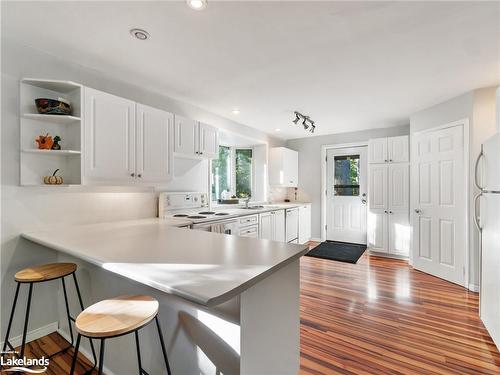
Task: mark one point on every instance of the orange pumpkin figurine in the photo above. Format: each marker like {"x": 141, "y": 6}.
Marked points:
{"x": 45, "y": 142}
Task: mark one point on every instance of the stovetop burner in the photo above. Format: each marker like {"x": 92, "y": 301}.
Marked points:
{"x": 196, "y": 217}
{"x": 221, "y": 214}
{"x": 206, "y": 212}
{"x": 180, "y": 215}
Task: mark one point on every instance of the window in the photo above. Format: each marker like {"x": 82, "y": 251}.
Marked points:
{"x": 346, "y": 175}
{"x": 232, "y": 172}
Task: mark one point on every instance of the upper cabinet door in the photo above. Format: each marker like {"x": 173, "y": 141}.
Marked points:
{"x": 377, "y": 150}
{"x": 185, "y": 136}
{"x": 283, "y": 167}
{"x": 398, "y": 149}
{"x": 109, "y": 137}
{"x": 377, "y": 191}
{"x": 154, "y": 132}
{"x": 209, "y": 141}
{"x": 291, "y": 167}
{"x": 399, "y": 191}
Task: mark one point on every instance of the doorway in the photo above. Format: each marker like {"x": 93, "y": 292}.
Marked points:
{"x": 439, "y": 180}
{"x": 346, "y": 181}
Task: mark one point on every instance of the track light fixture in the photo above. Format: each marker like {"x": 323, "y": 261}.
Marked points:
{"x": 307, "y": 123}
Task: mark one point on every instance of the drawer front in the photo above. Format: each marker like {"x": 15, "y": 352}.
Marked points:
{"x": 249, "y": 220}
{"x": 251, "y": 231}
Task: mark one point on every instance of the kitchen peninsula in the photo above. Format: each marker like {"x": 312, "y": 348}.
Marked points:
{"x": 225, "y": 301}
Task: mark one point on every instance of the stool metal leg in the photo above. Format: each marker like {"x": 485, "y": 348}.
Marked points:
{"x": 82, "y": 308}
{"x": 25, "y": 331}
{"x": 75, "y": 356}
{"x": 162, "y": 342}
{"x": 101, "y": 357}
{"x": 6, "y": 342}
{"x": 67, "y": 310}
{"x": 138, "y": 347}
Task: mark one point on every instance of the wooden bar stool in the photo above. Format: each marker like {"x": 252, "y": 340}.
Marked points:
{"x": 40, "y": 274}
{"x": 116, "y": 317}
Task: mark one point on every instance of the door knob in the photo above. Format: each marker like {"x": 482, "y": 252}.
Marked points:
{"x": 418, "y": 211}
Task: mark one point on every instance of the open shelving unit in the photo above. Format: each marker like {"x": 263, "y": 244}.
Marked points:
{"x": 36, "y": 163}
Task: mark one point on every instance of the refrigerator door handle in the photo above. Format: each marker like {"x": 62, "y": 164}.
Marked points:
{"x": 479, "y": 157}
{"x": 476, "y": 219}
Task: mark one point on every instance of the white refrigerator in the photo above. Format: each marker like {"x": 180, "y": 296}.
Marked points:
{"x": 487, "y": 179}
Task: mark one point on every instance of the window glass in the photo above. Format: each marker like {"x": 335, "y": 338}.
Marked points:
{"x": 243, "y": 173}
{"x": 221, "y": 173}
{"x": 346, "y": 175}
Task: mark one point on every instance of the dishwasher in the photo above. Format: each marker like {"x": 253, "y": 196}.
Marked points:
{"x": 292, "y": 225}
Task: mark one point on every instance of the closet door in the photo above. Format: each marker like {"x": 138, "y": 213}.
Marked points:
{"x": 377, "y": 190}
{"x": 154, "y": 131}
{"x": 399, "y": 190}
{"x": 377, "y": 231}
{"x": 399, "y": 233}
{"x": 109, "y": 137}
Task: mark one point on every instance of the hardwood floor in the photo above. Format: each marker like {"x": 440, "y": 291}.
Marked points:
{"x": 378, "y": 316}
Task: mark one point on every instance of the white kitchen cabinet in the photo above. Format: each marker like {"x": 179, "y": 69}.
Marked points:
{"x": 304, "y": 223}
{"x": 377, "y": 150}
{"x": 388, "y": 150}
{"x": 109, "y": 137}
{"x": 272, "y": 225}
{"x": 398, "y": 149}
{"x": 125, "y": 142}
{"x": 292, "y": 225}
{"x": 388, "y": 196}
{"x": 154, "y": 134}
{"x": 378, "y": 231}
{"x": 399, "y": 233}
{"x": 283, "y": 167}
{"x": 194, "y": 139}
{"x": 399, "y": 182}
{"x": 377, "y": 187}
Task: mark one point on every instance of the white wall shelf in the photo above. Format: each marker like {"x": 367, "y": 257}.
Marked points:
{"x": 63, "y": 87}
{"x": 51, "y": 152}
{"x": 55, "y": 119}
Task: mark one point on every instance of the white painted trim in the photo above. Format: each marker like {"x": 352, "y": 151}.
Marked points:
{"x": 324, "y": 150}
{"x": 34, "y": 334}
{"x": 315, "y": 239}
{"x": 474, "y": 288}
{"x": 466, "y": 135}
{"x": 387, "y": 255}
{"x": 84, "y": 351}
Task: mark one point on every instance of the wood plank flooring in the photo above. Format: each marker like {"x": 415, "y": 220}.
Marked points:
{"x": 378, "y": 316}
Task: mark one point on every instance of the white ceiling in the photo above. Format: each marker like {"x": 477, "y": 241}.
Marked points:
{"x": 349, "y": 65}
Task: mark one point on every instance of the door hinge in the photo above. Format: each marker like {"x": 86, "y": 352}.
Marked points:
{"x": 326, "y": 192}
{"x": 326, "y": 227}
{"x": 326, "y": 158}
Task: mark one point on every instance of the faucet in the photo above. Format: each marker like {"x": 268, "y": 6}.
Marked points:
{"x": 247, "y": 201}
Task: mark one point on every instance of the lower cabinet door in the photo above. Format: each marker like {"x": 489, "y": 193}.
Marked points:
{"x": 377, "y": 228}
{"x": 279, "y": 225}
{"x": 399, "y": 233}
{"x": 266, "y": 226}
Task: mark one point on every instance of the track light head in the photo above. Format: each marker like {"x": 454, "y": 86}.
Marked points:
{"x": 307, "y": 123}
{"x": 297, "y": 118}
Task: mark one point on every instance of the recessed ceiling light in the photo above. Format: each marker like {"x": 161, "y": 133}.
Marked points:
{"x": 139, "y": 34}
{"x": 277, "y": 130}
{"x": 236, "y": 111}
{"x": 197, "y": 4}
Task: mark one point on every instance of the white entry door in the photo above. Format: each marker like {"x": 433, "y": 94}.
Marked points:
{"x": 438, "y": 203}
{"x": 346, "y": 195}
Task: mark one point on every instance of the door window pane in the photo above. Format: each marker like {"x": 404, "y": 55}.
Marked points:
{"x": 221, "y": 173}
{"x": 346, "y": 180}
{"x": 243, "y": 173}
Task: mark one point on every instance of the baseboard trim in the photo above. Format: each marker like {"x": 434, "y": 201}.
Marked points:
{"x": 474, "y": 288}
{"x": 385, "y": 255}
{"x": 34, "y": 334}
{"x": 315, "y": 239}
{"x": 84, "y": 351}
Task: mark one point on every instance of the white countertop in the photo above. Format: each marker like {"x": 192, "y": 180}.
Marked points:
{"x": 203, "y": 267}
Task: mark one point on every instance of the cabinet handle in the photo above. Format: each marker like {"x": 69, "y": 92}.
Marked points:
{"x": 201, "y": 153}
{"x": 139, "y": 175}
{"x": 390, "y": 160}
{"x": 385, "y": 211}
{"x": 132, "y": 175}
{"x": 390, "y": 212}
{"x": 385, "y": 161}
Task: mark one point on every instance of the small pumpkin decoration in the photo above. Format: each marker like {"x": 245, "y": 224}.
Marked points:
{"x": 53, "y": 180}
{"x": 45, "y": 142}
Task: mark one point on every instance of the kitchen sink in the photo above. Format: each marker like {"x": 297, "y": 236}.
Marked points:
{"x": 253, "y": 208}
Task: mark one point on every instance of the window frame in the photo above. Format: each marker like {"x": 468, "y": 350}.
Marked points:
{"x": 232, "y": 177}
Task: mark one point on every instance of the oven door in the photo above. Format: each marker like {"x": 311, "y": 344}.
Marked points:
{"x": 221, "y": 226}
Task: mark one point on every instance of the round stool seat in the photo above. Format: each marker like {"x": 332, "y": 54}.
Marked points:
{"x": 45, "y": 272}
{"x": 116, "y": 316}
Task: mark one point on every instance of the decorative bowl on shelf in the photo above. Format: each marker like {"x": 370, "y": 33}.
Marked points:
{"x": 52, "y": 106}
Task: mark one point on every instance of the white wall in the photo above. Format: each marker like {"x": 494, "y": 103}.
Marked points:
{"x": 24, "y": 209}
{"x": 478, "y": 107}
{"x": 310, "y": 164}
